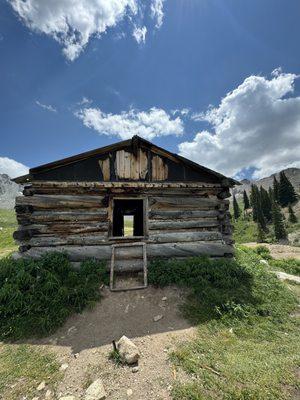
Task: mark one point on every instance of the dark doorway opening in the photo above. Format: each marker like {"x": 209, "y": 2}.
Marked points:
{"x": 128, "y": 217}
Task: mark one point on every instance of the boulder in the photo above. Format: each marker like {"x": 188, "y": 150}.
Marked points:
{"x": 41, "y": 386}
{"x": 95, "y": 391}
{"x": 129, "y": 353}
{"x": 67, "y": 398}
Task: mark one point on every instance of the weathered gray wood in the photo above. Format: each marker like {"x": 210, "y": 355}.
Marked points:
{"x": 63, "y": 228}
{"x": 166, "y": 250}
{"x": 183, "y": 236}
{"x": 126, "y": 184}
{"x": 167, "y": 214}
{"x": 60, "y": 201}
{"x": 76, "y": 240}
{"x": 182, "y": 223}
{"x": 73, "y": 216}
{"x": 183, "y": 202}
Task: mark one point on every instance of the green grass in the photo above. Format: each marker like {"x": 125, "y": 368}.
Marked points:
{"x": 290, "y": 266}
{"x": 8, "y": 224}
{"x": 247, "y": 346}
{"x": 36, "y": 296}
{"x": 245, "y": 230}
{"x": 23, "y": 368}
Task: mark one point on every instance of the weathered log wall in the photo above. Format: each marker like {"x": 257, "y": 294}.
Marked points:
{"x": 183, "y": 219}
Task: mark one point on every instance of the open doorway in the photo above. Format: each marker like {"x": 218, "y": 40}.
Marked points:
{"x": 128, "y": 218}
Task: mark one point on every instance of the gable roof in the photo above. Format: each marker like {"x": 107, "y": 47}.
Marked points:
{"x": 134, "y": 142}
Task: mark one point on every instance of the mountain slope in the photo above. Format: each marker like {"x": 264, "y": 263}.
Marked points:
{"x": 293, "y": 174}
{"x": 8, "y": 192}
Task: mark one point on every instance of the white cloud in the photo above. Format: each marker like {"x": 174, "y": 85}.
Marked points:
{"x": 85, "y": 101}
{"x": 157, "y": 12}
{"x": 139, "y": 33}
{"x": 256, "y": 125}
{"x": 73, "y": 22}
{"x": 12, "y": 168}
{"x": 148, "y": 124}
{"x": 46, "y": 106}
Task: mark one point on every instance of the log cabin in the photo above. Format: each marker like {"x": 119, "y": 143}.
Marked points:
{"x": 131, "y": 197}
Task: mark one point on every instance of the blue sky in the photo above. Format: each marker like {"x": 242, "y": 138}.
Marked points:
{"x": 173, "y": 86}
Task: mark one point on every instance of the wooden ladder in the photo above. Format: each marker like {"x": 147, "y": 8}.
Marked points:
{"x": 112, "y": 266}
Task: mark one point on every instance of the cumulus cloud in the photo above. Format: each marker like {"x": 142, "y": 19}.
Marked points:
{"x": 148, "y": 124}
{"x": 157, "y": 12}
{"x": 257, "y": 125}
{"x": 139, "y": 33}
{"x": 73, "y": 22}
{"x": 12, "y": 168}
{"x": 47, "y": 107}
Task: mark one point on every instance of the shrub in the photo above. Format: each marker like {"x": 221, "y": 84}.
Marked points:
{"x": 290, "y": 266}
{"x": 224, "y": 288}
{"x": 36, "y": 296}
{"x": 263, "y": 251}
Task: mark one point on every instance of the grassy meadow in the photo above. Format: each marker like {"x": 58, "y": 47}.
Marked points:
{"x": 8, "y": 225}
{"x": 247, "y": 344}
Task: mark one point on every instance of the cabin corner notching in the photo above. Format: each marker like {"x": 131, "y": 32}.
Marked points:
{"x": 128, "y": 192}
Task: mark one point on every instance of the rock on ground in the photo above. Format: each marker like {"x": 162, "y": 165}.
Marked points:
{"x": 129, "y": 353}
{"x": 95, "y": 391}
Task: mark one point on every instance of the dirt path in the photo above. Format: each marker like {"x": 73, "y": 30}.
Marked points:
{"x": 279, "y": 251}
{"x": 84, "y": 343}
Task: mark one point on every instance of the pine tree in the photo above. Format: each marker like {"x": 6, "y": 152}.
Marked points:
{"x": 292, "y": 217}
{"x": 275, "y": 189}
{"x": 246, "y": 201}
{"x": 279, "y": 228}
{"x": 236, "y": 209}
{"x": 254, "y": 201}
{"x": 257, "y": 211}
{"x": 266, "y": 204}
{"x": 287, "y": 194}
{"x": 271, "y": 193}
{"x": 261, "y": 237}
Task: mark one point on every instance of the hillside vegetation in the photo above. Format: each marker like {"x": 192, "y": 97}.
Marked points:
{"x": 8, "y": 225}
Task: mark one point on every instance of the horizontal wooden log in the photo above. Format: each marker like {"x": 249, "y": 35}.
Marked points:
{"x": 127, "y": 184}
{"x": 184, "y": 236}
{"x": 192, "y": 202}
{"x": 165, "y": 250}
{"x": 55, "y": 216}
{"x": 59, "y": 201}
{"x": 60, "y": 228}
{"x": 182, "y": 214}
{"x": 182, "y": 223}
{"x": 76, "y": 240}
{"x": 134, "y": 191}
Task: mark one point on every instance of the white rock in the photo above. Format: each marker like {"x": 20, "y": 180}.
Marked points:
{"x": 48, "y": 394}
{"x": 157, "y": 318}
{"x": 95, "y": 391}
{"x": 128, "y": 351}
{"x": 135, "y": 369}
{"x": 264, "y": 262}
{"x": 67, "y": 398}
{"x": 63, "y": 367}
{"x": 41, "y": 386}
{"x": 129, "y": 392}
{"x": 164, "y": 299}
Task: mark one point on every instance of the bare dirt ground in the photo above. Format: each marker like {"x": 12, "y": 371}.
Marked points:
{"x": 279, "y": 251}
{"x": 84, "y": 343}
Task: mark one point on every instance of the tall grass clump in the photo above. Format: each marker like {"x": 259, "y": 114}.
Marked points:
{"x": 225, "y": 288}
{"x": 247, "y": 344}
{"x": 36, "y": 296}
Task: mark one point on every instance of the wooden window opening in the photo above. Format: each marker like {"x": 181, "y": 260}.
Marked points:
{"x": 128, "y": 218}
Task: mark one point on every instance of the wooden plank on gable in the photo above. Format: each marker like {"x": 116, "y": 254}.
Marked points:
{"x": 159, "y": 169}
{"x": 105, "y": 168}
